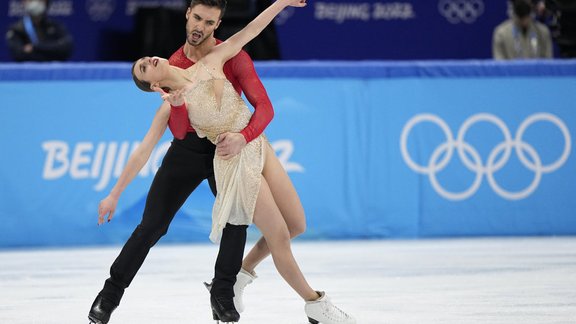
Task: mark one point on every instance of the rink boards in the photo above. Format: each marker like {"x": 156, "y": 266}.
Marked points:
{"x": 375, "y": 149}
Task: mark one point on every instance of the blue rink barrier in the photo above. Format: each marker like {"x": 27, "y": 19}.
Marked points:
{"x": 375, "y": 150}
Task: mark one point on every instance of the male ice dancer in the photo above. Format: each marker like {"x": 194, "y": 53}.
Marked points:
{"x": 186, "y": 164}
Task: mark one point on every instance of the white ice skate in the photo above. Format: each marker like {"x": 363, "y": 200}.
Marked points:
{"x": 323, "y": 311}
{"x": 243, "y": 279}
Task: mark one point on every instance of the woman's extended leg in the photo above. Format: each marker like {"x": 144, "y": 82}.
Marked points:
{"x": 268, "y": 219}
{"x": 288, "y": 202}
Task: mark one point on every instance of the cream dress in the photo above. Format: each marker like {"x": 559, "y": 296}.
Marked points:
{"x": 237, "y": 179}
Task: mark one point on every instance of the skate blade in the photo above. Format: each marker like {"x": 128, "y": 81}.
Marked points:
{"x": 93, "y": 321}
{"x": 312, "y": 321}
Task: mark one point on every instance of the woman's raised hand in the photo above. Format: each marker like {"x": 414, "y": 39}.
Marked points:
{"x": 175, "y": 98}
{"x": 295, "y": 3}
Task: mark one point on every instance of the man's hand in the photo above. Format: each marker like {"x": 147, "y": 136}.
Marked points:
{"x": 106, "y": 207}
{"x": 229, "y": 144}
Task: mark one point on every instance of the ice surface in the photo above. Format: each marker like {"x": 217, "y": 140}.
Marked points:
{"x": 459, "y": 281}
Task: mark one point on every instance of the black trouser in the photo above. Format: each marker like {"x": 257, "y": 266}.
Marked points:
{"x": 186, "y": 164}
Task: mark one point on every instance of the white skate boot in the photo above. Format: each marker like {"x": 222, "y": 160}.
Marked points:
{"x": 323, "y": 311}
{"x": 243, "y": 279}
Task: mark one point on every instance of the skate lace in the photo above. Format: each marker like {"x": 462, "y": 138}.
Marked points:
{"x": 332, "y": 312}
{"x": 240, "y": 292}
{"x": 243, "y": 285}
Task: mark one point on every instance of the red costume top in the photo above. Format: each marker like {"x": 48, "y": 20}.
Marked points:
{"x": 240, "y": 71}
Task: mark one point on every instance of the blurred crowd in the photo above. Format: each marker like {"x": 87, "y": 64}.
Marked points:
{"x": 36, "y": 37}
{"x": 536, "y": 29}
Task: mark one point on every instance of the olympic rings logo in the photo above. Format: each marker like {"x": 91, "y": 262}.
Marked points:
{"x": 457, "y": 11}
{"x": 497, "y": 158}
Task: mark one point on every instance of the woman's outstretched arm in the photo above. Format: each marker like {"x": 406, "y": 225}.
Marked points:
{"x": 234, "y": 44}
{"x": 137, "y": 159}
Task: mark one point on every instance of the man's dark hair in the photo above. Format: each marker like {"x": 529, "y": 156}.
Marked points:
{"x": 220, "y": 4}
{"x": 522, "y": 8}
{"x": 142, "y": 85}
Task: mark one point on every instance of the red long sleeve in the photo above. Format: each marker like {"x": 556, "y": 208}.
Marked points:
{"x": 243, "y": 69}
{"x": 179, "y": 121}
{"x": 240, "y": 71}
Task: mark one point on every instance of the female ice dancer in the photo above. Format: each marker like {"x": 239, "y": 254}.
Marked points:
{"x": 244, "y": 180}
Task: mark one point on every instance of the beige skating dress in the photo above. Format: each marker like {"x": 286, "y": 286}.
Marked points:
{"x": 237, "y": 179}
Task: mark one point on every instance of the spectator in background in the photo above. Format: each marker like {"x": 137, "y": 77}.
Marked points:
{"x": 563, "y": 16}
{"x": 35, "y": 37}
{"x": 540, "y": 10}
{"x": 521, "y": 36}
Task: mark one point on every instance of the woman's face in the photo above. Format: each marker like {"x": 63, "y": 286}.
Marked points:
{"x": 151, "y": 69}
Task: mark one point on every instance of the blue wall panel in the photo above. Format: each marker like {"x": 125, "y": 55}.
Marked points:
{"x": 375, "y": 150}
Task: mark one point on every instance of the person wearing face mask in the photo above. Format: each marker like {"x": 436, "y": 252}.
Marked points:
{"x": 35, "y": 37}
{"x": 521, "y": 36}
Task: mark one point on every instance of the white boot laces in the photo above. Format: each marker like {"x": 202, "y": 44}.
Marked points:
{"x": 334, "y": 313}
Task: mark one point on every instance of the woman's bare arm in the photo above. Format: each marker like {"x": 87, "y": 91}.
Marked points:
{"x": 232, "y": 46}
{"x": 137, "y": 159}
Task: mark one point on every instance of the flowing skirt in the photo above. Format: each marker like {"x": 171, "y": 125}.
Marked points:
{"x": 238, "y": 184}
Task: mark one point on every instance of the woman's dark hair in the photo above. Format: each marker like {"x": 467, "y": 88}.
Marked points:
{"x": 142, "y": 85}
{"x": 220, "y": 4}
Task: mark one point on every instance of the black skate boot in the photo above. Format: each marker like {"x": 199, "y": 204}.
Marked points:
{"x": 223, "y": 309}
{"x": 101, "y": 310}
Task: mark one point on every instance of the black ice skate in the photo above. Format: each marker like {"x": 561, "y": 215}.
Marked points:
{"x": 223, "y": 309}
{"x": 101, "y": 310}
{"x": 243, "y": 279}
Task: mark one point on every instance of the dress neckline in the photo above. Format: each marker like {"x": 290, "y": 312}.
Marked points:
{"x": 208, "y": 71}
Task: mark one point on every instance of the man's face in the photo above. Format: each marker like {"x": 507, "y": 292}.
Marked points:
{"x": 201, "y": 21}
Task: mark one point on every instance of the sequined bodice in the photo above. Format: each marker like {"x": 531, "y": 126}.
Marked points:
{"x": 211, "y": 117}
{"x": 238, "y": 178}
